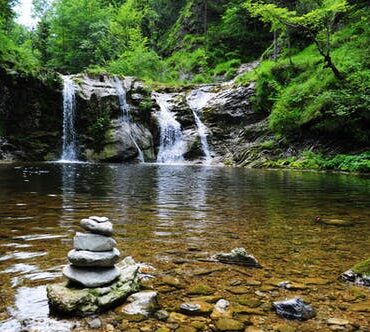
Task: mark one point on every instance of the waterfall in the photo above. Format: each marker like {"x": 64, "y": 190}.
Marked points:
{"x": 125, "y": 109}
{"x": 197, "y": 99}
{"x": 172, "y": 145}
{"x": 69, "y": 135}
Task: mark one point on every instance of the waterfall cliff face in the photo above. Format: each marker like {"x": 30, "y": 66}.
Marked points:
{"x": 197, "y": 100}
{"x": 126, "y": 117}
{"x": 172, "y": 145}
{"x": 69, "y": 152}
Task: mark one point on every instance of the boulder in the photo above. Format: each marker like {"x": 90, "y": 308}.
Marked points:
{"x": 237, "y": 256}
{"x": 93, "y": 242}
{"x": 294, "y": 308}
{"x": 67, "y": 299}
{"x": 358, "y": 274}
{"x": 91, "y": 277}
{"x": 84, "y": 258}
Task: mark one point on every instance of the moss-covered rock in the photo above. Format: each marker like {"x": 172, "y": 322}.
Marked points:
{"x": 358, "y": 274}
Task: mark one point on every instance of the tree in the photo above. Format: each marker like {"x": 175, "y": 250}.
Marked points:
{"x": 318, "y": 23}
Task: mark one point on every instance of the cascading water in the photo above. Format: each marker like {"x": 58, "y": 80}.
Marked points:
{"x": 125, "y": 108}
{"x": 69, "y": 135}
{"x": 197, "y": 99}
{"x": 172, "y": 145}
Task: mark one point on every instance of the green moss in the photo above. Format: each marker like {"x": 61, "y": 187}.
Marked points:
{"x": 362, "y": 268}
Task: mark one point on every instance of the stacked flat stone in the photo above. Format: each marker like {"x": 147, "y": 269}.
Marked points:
{"x": 94, "y": 254}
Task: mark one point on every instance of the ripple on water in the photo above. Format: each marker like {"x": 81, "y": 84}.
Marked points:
{"x": 34, "y": 237}
{"x": 31, "y": 311}
{"x": 22, "y": 255}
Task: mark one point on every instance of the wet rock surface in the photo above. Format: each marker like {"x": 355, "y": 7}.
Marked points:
{"x": 294, "y": 309}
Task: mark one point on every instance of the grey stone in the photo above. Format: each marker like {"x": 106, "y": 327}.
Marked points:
{"x": 94, "y": 323}
{"x": 294, "y": 309}
{"x": 85, "y": 258}
{"x": 69, "y": 300}
{"x": 161, "y": 315}
{"x": 93, "y": 242}
{"x": 141, "y": 304}
{"x": 237, "y": 256}
{"x": 91, "y": 276}
{"x": 356, "y": 278}
{"x": 99, "y": 219}
{"x": 103, "y": 228}
{"x": 190, "y": 308}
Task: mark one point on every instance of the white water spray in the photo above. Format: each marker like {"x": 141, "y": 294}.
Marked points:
{"x": 197, "y": 100}
{"x": 125, "y": 108}
{"x": 172, "y": 145}
{"x": 69, "y": 153}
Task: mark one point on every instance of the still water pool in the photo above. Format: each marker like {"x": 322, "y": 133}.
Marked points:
{"x": 173, "y": 217}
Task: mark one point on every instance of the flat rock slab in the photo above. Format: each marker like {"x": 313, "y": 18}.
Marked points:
{"x": 103, "y": 228}
{"x": 93, "y": 242}
{"x": 84, "y": 258}
{"x": 92, "y": 277}
{"x": 86, "y": 301}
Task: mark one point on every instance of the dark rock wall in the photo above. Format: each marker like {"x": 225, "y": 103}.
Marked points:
{"x": 30, "y": 115}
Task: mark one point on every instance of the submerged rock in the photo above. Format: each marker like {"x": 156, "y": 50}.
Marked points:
{"x": 334, "y": 222}
{"x": 85, "y": 258}
{"x": 93, "y": 242}
{"x": 91, "y": 277}
{"x": 237, "y": 256}
{"x": 358, "y": 274}
{"x": 228, "y": 324}
{"x": 294, "y": 309}
{"x": 67, "y": 299}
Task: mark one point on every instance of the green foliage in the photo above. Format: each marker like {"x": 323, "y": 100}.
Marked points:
{"x": 300, "y": 94}
{"x": 308, "y": 160}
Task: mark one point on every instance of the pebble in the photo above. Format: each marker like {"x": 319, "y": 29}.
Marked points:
{"x": 94, "y": 323}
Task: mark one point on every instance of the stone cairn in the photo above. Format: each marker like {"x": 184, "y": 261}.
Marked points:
{"x": 94, "y": 254}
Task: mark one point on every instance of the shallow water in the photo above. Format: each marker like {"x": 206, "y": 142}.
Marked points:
{"x": 174, "y": 216}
